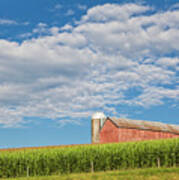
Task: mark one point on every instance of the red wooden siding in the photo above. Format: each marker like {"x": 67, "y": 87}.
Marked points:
{"x": 109, "y": 133}
{"x": 138, "y": 135}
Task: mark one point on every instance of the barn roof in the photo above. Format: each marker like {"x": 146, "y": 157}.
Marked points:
{"x": 145, "y": 125}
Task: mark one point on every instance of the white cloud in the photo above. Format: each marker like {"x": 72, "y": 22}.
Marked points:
{"x": 82, "y": 7}
{"x": 68, "y": 73}
{"x": 174, "y": 7}
{"x": 12, "y": 22}
{"x": 168, "y": 62}
{"x": 70, "y": 12}
{"x": 110, "y": 12}
{"x": 154, "y": 96}
{"x": 66, "y": 27}
{"x": 7, "y": 22}
{"x": 58, "y": 6}
{"x": 41, "y": 28}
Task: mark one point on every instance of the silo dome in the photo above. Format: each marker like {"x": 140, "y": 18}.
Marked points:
{"x": 98, "y": 115}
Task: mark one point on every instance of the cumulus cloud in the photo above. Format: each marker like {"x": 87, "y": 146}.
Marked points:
{"x": 41, "y": 29}
{"x": 67, "y": 75}
{"x": 66, "y": 27}
{"x": 112, "y": 12}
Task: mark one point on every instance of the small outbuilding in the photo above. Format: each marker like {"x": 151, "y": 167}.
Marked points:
{"x": 111, "y": 129}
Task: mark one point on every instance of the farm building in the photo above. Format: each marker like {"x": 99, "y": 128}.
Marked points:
{"x": 110, "y": 129}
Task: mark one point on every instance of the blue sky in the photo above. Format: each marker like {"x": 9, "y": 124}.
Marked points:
{"x": 61, "y": 61}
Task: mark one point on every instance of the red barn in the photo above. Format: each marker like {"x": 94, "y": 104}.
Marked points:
{"x": 105, "y": 130}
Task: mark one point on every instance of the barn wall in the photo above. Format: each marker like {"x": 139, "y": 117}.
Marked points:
{"x": 109, "y": 133}
{"x": 138, "y": 135}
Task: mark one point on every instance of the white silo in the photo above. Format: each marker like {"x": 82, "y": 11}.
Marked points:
{"x": 98, "y": 120}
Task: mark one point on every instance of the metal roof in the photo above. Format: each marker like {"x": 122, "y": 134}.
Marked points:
{"x": 145, "y": 125}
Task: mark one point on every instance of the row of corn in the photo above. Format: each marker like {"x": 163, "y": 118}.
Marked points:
{"x": 37, "y": 162}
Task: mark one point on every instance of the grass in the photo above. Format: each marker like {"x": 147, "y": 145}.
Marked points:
{"x": 133, "y": 174}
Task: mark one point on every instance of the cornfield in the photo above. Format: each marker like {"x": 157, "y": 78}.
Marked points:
{"x": 102, "y": 157}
